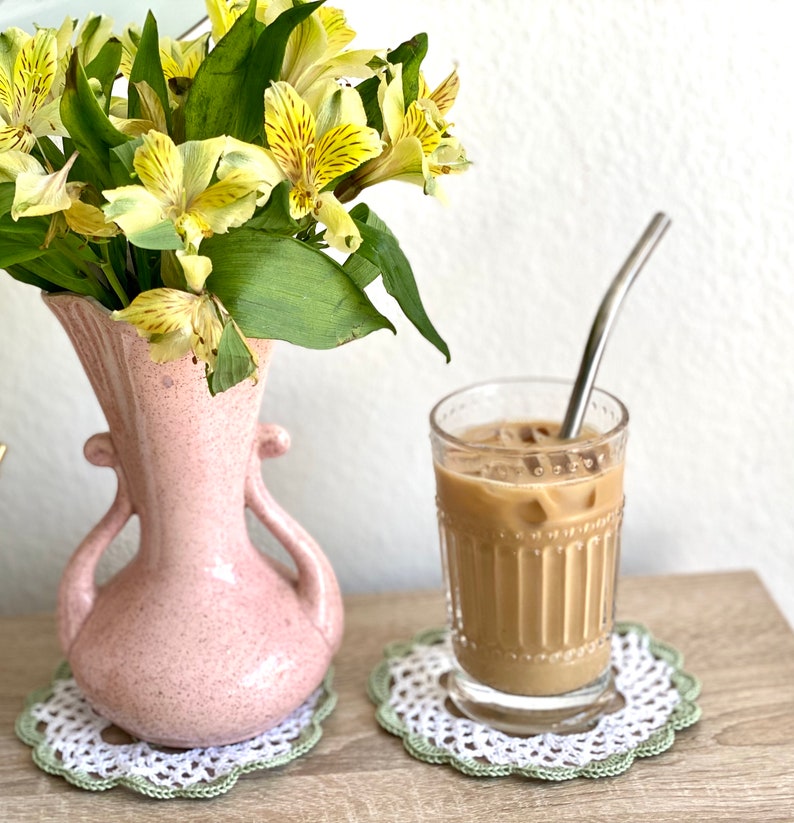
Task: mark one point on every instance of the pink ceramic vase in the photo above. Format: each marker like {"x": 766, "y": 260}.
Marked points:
{"x": 201, "y": 639}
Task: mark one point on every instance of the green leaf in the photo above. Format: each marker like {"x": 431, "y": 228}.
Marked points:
{"x": 237, "y": 71}
{"x": 411, "y": 53}
{"x": 265, "y": 67}
{"x": 234, "y": 363}
{"x": 7, "y": 191}
{"x": 278, "y": 287}
{"x": 360, "y": 270}
{"x": 274, "y": 217}
{"x": 146, "y": 265}
{"x": 17, "y": 249}
{"x": 117, "y": 253}
{"x": 61, "y": 274}
{"x": 122, "y": 162}
{"x": 171, "y": 272}
{"x": 147, "y": 68}
{"x": 24, "y": 275}
{"x": 52, "y": 154}
{"x": 213, "y": 103}
{"x": 105, "y": 66}
{"x": 381, "y": 250}
{"x": 21, "y": 240}
{"x": 82, "y": 170}
{"x": 92, "y": 134}
{"x": 23, "y": 256}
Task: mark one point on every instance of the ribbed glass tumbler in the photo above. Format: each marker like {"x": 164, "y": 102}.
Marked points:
{"x": 529, "y": 530}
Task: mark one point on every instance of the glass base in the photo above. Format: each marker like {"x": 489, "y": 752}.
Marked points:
{"x": 568, "y": 713}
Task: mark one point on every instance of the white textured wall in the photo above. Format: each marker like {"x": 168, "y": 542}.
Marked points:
{"x": 583, "y": 118}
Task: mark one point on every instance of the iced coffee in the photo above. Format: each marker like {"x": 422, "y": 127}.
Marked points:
{"x": 530, "y": 539}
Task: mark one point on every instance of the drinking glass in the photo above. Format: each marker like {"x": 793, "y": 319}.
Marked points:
{"x": 529, "y": 530}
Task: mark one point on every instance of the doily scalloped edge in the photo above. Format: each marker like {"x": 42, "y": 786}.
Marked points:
{"x": 686, "y": 713}
{"x": 47, "y": 760}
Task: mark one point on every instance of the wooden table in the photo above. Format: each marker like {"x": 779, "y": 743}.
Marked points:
{"x": 736, "y": 764}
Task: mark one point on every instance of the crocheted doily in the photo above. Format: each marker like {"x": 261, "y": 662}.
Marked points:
{"x": 71, "y": 740}
{"x": 659, "y": 699}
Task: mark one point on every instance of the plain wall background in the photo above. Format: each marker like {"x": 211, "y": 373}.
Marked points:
{"x": 583, "y": 118}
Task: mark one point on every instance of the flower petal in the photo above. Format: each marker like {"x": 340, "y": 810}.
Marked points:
{"x": 11, "y": 41}
{"x": 93, "y": 34}
{"x": 338, "y": 34}
{"x": 416, "y": 123}
{"x": 341, "y": 232}
{"x": 34, "y": 72}
{"x": 289, "y": 127}
{"x": 13, "y": 163}
{"x": 160, "y": 168}
{"x": 302, "y": 200}
{"x": 348, "y": 64}
{"x": 37, "y": 194}
{"x": 46, "y": 120}
{"x": 159, "y": 311}
{"x": 182, "y": 58}
{"x": 446, "y": 92}
{"x": 167, "y": 347}
{"x": 199, "y": 158}
{"x": 88, "y": 220}
{"x": 151, "y": 108}
{"x": 13, "y": 138}
{"x": 226, "y": 204}
{"x": 253, "y": 164}
{"x": 133, "y": 208}
{"x": 207, "y": 331}
{"x": 307, "y": 45}
{"x": 132, "y": 128}
{"x": 222, "y": 16}
{"x": 392, "y": 103}
{"x": 336, "y": 106}
{"x": 197, "y": 269}
{"x": 343, "y": 149}
{"x": 404, "y": 161}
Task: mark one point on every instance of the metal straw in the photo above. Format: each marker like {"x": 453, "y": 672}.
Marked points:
{"x": 604, "y": 319}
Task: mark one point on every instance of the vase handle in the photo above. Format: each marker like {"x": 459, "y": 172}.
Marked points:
{"x": 78, "y": 589}
{"x": 316, "y": 587}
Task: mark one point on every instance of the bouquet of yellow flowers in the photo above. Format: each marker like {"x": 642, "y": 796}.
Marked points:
{"x": 209, "y": 203}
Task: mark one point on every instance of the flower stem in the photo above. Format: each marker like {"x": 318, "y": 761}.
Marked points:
{"x": 110, "y": 273}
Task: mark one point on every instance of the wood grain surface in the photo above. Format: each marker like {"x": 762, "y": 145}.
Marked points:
{"x": 736, "y": 764}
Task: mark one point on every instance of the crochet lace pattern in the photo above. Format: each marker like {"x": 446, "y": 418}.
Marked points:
{"x": 71, "y": 740}
{"x": 659, "y": 699}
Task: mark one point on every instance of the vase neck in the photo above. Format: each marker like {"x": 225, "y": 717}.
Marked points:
{"x": 183, "y": 453}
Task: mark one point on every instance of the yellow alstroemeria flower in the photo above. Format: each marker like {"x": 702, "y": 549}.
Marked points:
{"x": 315, "y": 50}
{"x": 39, "y": 193}
{"x": 252, "y": 163}
{"x": 93, "y": 34}
{"x": 182, "y": 58}
{"x": 88, "y": 220}
{"x": 418, "y": 146}
{"x": 176, "y": 186}
{"x": 312, "y": 157}
{"x": 178, "y": 58}
{"x": 27, "y": 71}
{"x": 223, "y": 14}
{"x": 176, "y": 322}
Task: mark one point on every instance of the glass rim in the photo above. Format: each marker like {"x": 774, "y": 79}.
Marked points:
{"x": 440, "y": 432}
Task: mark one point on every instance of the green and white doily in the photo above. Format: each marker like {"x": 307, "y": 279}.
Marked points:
{"x": 659, "y": 699}
{"x": 71, "y": 740}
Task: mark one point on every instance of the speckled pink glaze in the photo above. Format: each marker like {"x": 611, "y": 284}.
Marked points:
{"x": 201, "y": 639}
